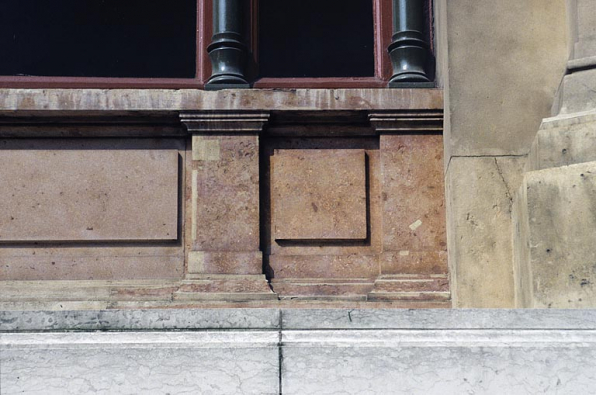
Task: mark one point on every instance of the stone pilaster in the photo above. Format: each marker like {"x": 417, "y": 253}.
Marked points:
{"x": 553, "y": 239}
{"x": 577, "y": 91}
{"x": 225, "y": 261}
{"x": 414, "y": 257}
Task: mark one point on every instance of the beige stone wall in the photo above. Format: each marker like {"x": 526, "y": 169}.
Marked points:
{"x": 502, "y": 65}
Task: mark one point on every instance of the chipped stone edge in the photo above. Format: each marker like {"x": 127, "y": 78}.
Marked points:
{"x": 296, "y": 319}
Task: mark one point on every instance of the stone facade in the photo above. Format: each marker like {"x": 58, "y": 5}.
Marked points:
{"x": 335, "y": 198}
{"x": 327, "y": 197}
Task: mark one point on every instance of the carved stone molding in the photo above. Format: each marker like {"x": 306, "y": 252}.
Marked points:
{"x": 225, "y": 121}
{"x": 406, "y": 121}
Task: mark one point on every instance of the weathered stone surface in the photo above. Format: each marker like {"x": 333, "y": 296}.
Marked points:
{"x": 370, "y": 246}
{"x": 225, "y": 196}
{"x": 564, "y": 140}
{"x": 409, "y": 262}
{"x": 528, "y": 319}
{"x": 87, "y": 191}
{"x": 205, "y": 362}
{"x": 413, "y": 193}
{"x": 577, "y": 92}
{"x": 225, "y": 288}
{"x": 168, "y": 100}
{"x": 281, "y": 318}
{"x": 555, "y": 237}
{"x": 324, "y": 266}
{"x": 128, "y": 320}
{"x": 91, "y": 263}
{"x": 322, "y": 289}
{"x": 210, "y": 262}
{"x": 416, "y": 351}
{"x": 480, "y": 193}
{"x": 319, "y": 194}
{"x": 437, "y": 362}
{"x": 583, "y": 18}
{"x": 506, "y": 60}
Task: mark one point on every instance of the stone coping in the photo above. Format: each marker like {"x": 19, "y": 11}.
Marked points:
{"x": 296, "y": 319}
{"x": 63, "y": 101}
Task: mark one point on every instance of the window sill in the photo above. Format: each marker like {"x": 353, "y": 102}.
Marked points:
{"x": 47, "y": 101}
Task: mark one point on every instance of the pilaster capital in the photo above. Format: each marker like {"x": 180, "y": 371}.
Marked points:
{"x": 225, "y": 121}
{"x": 406, "y": 121}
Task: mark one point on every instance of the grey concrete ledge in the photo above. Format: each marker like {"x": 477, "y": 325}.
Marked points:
{"x": 103, "y": 340}
{"x": 146, "y": 320}
{"x": 299, "y": 351}
{"x": 439, "y": 338}
{"x": 567, "y": 120}
{"x": 582, "y": 63}
{"x": 439, "y": 319}
{"x": 295, "y": 319}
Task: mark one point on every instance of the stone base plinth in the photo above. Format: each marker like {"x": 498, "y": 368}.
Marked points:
{"x": 554, "y": 237}
{"x": 298, "y": 351}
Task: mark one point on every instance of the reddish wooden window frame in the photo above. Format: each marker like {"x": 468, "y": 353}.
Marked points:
{"x": 382, "y": 13}
{"x": 203, "y": 9}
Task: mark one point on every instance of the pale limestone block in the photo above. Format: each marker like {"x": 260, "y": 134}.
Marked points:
{"x": 506, "y": 60}
{"x": 88, "y": 193}
{"x": 584, "y": 21}
{"x": 480, "y": 194}
{"x": 564, "y": 140}
{"x": 555, "y": 254}
{"x": 319, "y": 194}
{"x": 578, "y": 92}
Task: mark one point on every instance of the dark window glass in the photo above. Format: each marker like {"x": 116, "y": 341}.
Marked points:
{"x": 98, "y": 38}
{"x": 316, "y": 38}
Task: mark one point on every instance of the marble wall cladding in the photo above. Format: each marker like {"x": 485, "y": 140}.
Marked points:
{"x": 438, "y": 362}
{"x": 91, "y": 209}
{"x": 87, "y": 191}
{"x": 299, "y": 351}
{"x": 225, "y": 181}
{"x": 319, "y": 194}
{"x": 148, "y": 363}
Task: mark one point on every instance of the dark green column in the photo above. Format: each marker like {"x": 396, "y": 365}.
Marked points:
{"x": 228, "y": 52}
{"x": 409, "y": 50}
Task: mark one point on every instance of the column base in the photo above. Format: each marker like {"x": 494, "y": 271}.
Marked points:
{"x": 224, "y": 288}
{"x": 411, "y": 287}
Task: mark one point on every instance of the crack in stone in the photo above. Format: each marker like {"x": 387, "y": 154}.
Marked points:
{"x": 507, "y": 189}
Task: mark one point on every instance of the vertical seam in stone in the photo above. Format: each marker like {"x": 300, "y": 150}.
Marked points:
{"x": 194, "y": 199}
{"x": 280, "y": 352}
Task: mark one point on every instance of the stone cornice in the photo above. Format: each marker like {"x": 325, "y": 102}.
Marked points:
{"x": 406, "y": 121}
{"x": 225, "y": 121}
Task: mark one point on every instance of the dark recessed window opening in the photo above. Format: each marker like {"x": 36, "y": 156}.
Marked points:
{"x": 316, "y": 38}
{"x": 98, "y": 38}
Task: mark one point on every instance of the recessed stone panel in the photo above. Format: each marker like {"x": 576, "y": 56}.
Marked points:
{"x": 90, "y": 194}
{"x": 319, "y": 194}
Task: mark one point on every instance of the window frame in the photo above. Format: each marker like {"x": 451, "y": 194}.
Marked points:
{"x": 383, "y": 29}
{"x": 50, "y": 82}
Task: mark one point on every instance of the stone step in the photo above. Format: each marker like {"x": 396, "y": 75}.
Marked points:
{"x": 409, "y": 296}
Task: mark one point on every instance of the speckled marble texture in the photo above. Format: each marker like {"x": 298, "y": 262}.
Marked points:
{"x": 439, "y": 362}
{"x": 140, "y": 363}
{"x": 299, "y": 351}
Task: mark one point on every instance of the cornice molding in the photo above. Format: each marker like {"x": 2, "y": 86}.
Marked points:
{"x": 406, "y": 121}
{"x": 224, "y": 121}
